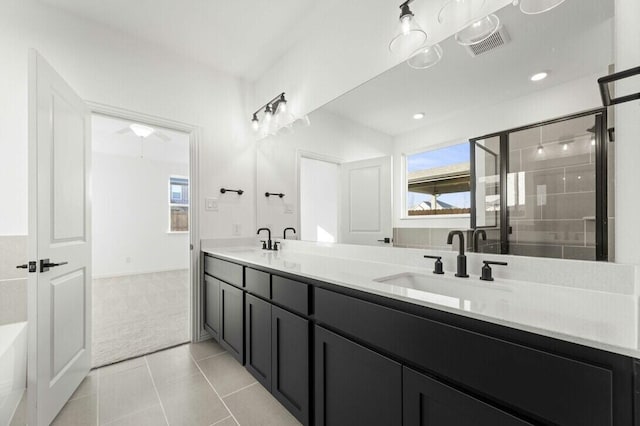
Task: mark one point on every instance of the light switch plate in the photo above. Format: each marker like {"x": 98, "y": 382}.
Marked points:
{"x": 211, "y": 204}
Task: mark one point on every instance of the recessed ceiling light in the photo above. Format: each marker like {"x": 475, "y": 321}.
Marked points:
{"x": 539, "y": 76}
{"x": 418, "y": 116}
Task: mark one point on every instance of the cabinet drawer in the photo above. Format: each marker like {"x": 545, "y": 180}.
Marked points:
{"x": 291, "y": 294}
{"x": 257, "y": 282}
{"x": 427, "y": 402}
{"x": 544, "y": 385}
{"x": 226, "y": 271}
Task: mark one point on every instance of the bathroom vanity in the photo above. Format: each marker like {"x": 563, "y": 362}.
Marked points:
{"x": 340, "y": 340}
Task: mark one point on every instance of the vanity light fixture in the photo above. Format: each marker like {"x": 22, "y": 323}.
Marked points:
{"x": 539, "y": 76}
{"x": 418, "y": 116}
{"x": 425, "y": 57}
{"x": 478, "y": 30}
{"x": 409, "y": 36}
{"x": 275, "y": 114}
{"x": 534, "y": 7}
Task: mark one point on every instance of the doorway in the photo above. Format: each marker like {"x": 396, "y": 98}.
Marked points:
{"x": 141, "y": 238}
{"x": 319, "y": 196}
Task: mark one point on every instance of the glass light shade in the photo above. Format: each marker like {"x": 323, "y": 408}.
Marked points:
{"x": 408, "y": 38}
{"x": 478, "y": 31}
{"x": 533, "y": 7}
{"x": 255, "y": 125}
{"x": 458, "y": 13}
{"x": 141, "y": 131}
{"x": 425, "y": 57}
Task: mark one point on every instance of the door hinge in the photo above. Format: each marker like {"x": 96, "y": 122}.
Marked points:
{"x": 31, "y": 266}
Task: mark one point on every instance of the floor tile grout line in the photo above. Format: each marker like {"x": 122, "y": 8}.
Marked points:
{"x": 214, "y": 390}
{"x": 146, "y": 362}
{"x": 239, "y": 390}
{"x": 220, "y": 421}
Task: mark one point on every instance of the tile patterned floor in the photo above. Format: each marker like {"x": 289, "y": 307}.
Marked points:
{"x": 191, "y": 385}
{"x": 138, "y": 314}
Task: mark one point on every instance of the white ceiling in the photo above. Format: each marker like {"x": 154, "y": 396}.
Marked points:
{"x": 106, "y": 138}
{"x": 572, "y": 41}
{"x": 243, "y": 38}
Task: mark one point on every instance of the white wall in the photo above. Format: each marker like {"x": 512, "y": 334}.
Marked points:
{"x": 556, "y": 101}
{"x": 131, "y": 216}
{"x": 108, "y": 67}
{"x": 627, "y": 122}
{"x": 329, "y": 135}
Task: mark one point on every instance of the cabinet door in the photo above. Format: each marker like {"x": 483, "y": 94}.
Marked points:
{"x": 354, "y": 385}
{"x": 258, "y": 339}
{"x": 231, "y": 320}
{"x": 212, "y": 306}
{"x": 290, "y": 362}
{"x": 427, "y": 402}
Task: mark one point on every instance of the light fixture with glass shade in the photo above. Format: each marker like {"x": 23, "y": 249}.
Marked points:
{"x": 141, "y": 131}
{"x": 425, "y": 57}
{"x": 276, "y": 115}
{"x": 409, "y": 36}
{"x": 534, "y": 7}
{"x": 478, "y": 31}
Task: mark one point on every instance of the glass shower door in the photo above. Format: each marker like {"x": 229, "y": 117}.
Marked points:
{"x": 552, "y": 189}
{"x": 486, "y": 206}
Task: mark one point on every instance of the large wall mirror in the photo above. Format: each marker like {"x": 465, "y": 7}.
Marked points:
{"x": 475, "y": 142}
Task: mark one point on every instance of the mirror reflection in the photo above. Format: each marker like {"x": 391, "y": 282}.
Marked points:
{"x": 508, "y": 137}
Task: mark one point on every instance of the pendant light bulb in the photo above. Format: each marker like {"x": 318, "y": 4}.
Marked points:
{"x": 409, "y": 35}
{"x": 255, "y": 123}
{"x": 540, "y": 150}
{"x": 268, "y": 113}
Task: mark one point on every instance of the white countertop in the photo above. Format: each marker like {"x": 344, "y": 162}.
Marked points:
{"x": 605, "y": 320}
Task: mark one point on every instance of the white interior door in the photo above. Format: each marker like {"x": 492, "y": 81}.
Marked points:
{"x": 365, "y": 208}
{"x": 60, "y": 231}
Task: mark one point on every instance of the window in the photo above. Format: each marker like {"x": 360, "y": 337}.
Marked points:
{"x": 178, "y": 204}
{"x": 438, "y": 181}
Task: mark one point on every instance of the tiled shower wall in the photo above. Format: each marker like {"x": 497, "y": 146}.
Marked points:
{"x": 13, "y": 282}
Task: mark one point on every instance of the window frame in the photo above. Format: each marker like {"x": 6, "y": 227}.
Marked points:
{"x": 404, "y": 214}
{"x": 172, "y": 204}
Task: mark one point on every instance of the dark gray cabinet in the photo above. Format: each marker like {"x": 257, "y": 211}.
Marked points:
{"x": 212, "y": 306}
{"x": 257, "y": 325}
{"x": 232, "y": 320}
{"x": 290, "y": 362}
{"x": 354, "y": 385}
{"x": 428, "y": 402}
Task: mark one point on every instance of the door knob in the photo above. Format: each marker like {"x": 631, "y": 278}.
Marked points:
{"x": 386, "y": 240}
{"x": 45, "y": 264}
{"x": 31, "y": 266}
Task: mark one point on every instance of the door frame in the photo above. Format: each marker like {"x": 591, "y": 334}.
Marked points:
{"x": 196, "y": 315}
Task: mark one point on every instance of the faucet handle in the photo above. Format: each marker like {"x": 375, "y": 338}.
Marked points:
{"x": 264, "y": 244}
{"x": 437, "y": 265}
{"x": 486, "y": 269}
{"x": 275, "y": 245}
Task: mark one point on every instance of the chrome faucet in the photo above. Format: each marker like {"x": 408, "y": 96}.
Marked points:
{"x": 462, "y": 259}
{"x": 266, "y": 245}
{"x": 476, "y": 233}
{"x": 285, "y": 232}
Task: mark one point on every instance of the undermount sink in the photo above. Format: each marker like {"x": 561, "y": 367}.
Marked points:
{"x": 440, "y": 284}
{"x": 414, "y": 281}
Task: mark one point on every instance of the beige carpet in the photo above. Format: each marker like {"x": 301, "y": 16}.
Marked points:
{"x": 137, "y": 314}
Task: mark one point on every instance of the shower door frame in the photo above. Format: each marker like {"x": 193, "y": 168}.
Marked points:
{"x": 601, "y": 132}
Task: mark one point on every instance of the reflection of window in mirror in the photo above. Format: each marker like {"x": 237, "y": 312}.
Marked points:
{"x": 438, "y": 182}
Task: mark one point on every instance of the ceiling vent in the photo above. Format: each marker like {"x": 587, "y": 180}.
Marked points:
{"x": 497, "y": 39}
